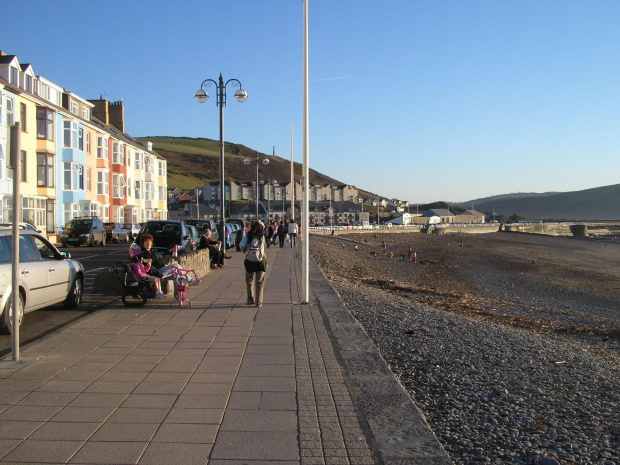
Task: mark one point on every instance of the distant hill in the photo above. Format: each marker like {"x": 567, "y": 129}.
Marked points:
{"x": 600, "y": 203}
{"x": 193, "y": 162}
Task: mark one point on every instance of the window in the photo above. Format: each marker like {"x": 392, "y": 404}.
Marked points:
{"x": 22, "y": 115}
{"x": 44, "y": 90}
{"x": 149, "y": 191}
{"x": 2, "y": 163}
{"x": 9, "y": 111}
{"x": 162, "y": 195}
{"x": 88, "y": 142}
{"x": 138, "y": 190}
{"x": 117, "y": 153}
{"x": 45, "y": 170}
{"x": 14, "y": 77}
{"x": 88, "y": 179}
{"x": 102, "y": 147}
{"x": 72, "y": 210}
{"x": 139, "y": 161}
{"x": 22, "y": 166}
{"x": 118, "y": 186}
{"x": 74, "y": 176}
{"x": 50, "y": 215}
{"x": 129, "y": 151}
{"x": 33, "y": 210}
{"x": 74, "y": 108}
{"x": 28, "y": 83}
{"x": 85, "y": 113}
{"x": 73, "y": 136}
{"x": 103, "y": 182}
{"x": 45, "y": 124}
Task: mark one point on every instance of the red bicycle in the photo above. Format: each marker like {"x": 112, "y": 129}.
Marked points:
{"x": 182, "y": 280}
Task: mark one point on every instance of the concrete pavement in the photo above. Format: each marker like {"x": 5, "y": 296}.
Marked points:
{"x": 219, "y": 383}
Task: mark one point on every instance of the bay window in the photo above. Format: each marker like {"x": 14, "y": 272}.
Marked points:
{"x": 74, "y": 176}
{"x": 45, "y": 124}
{"x": 102, "y": 147}
{"x": 45, "y": 170}
{"x": 103, "y": 182}
{"x": 118, "y": 186}
{"x": 73, "y": 136}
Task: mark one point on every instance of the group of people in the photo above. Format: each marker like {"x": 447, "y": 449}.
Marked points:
{"x": 277, "y": 232}
{"x": 258, "y": 237}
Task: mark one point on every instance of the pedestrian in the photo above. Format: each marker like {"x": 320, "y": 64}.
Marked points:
{"x": 255, "y": 264}
{"x": 268, "y": 233}
{"x": 292, "y": 232}
{"x": 282, "y": 232}
{"x": 384, "y": 247}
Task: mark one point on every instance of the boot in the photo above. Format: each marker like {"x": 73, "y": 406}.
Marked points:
{"x": 250, "y": 300}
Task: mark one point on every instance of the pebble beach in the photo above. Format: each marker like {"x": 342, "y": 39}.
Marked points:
{"x": 509, "y": 349}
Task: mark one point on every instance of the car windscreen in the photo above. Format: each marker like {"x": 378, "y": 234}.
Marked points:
{"x": 79, "y": 225}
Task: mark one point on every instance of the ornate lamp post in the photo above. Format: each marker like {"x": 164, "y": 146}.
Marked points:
{"x": 265, "y": 162}
{"x": 201, "y": 97}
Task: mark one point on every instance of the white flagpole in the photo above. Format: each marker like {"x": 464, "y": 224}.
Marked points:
{"x": 306, "y": 158}
{"x": 292, "y": 177}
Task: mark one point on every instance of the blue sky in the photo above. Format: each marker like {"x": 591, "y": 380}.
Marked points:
{"x": 418, "y": 100}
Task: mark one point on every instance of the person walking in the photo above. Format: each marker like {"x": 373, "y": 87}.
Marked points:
{"x": 292, "y": 231}
{"x": 255, "y": 264}
{"x": 282, "y": 232}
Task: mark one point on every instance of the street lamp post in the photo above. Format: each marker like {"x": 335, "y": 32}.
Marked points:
{"x": 265, "y": 162}
{"x": 201, "y": 97}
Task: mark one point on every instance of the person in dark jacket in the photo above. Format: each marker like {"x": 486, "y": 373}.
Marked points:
{"x": 215, "y": 249}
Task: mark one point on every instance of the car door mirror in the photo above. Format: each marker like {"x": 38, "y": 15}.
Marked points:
{"x": 65, "y": 255}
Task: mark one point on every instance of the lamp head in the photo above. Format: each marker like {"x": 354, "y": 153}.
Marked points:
{"x": 247, "y": 161}
{"x": 201, "y": 96}
{"x": 265, "y": 161}
{"x": 241, "y": 96}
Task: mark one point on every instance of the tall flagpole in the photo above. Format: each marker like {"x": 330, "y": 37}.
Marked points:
{"x": 305, "y": 182}
{"x": 292, "y": 177}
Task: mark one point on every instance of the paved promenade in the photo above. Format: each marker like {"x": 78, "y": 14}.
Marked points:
{"x": 219, "y": 383}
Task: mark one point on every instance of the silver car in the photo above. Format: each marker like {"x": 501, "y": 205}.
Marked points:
{"x": 46, "y": 276}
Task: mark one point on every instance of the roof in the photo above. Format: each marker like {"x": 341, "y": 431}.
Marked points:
{"x": 441, "y": 212}
{"x": 472, "y": 212}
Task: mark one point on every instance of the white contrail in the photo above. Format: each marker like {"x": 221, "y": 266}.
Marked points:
{"x": 333, "y": 78}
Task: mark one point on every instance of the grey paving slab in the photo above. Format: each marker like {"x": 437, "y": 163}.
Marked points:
{"x": 219, "y": 383}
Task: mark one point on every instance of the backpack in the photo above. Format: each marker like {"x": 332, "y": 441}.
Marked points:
{"x": 256, "y": 251}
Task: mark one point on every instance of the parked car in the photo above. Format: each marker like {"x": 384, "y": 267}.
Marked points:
{"x": 240, "y": 231}
{"x": 83, "y": 231}
{"x": 132, "y": 228}
{"x": 46, "y": 276}
{"x": 230, "y": 235}
{"x": 166, "y": 234}
{"x": 195, "y": 236}
{"x": 203, "y": 224}
{"x": 115, "y": 232}
{"x": 26, "y": 226}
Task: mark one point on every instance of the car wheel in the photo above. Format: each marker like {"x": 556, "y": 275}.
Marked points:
{"x": 74, "y": 298}
{"x": 91, "y": 243}
{"x": 6, "y": 320}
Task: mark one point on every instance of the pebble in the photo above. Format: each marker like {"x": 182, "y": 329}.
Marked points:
{"x": 493, "y": 393}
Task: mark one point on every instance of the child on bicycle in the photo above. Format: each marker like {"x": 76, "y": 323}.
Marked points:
{"x": 140, "y": 269}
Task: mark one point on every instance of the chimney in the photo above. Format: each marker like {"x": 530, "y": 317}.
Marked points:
{"x": 100, "y": 110}
{"x": 117, "y": 115}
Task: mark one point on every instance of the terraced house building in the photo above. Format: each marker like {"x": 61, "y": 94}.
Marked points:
{"x": 76, "y": 158}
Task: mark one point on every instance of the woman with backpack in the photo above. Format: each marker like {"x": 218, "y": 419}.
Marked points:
{"x": 255, "y": 263}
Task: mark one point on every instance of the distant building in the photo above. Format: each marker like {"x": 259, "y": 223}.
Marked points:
{"x": 439, "y": 215}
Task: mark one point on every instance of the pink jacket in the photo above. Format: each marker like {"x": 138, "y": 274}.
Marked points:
{"x": 139, "y": 270}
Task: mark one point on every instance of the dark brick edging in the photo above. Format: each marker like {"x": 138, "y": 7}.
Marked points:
{"x": 396, "y": 429}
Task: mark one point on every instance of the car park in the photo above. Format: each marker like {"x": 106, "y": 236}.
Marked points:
{"x": 81, "y": 231}
{"x": 46, "y": 276}
{"x": 166, "y": 235}
{"x": 115, "y": 232}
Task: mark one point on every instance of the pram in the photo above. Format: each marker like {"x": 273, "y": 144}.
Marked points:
{"x": 182, "y": 280}
{"x": 135, "y": 293}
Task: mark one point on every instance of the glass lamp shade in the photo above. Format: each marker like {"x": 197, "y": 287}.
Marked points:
{"x": 265, "y": 161}
{"x": 201, "y": 96}
{"x": 247, "y": 161}
{"x": 241, "y": 96}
